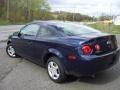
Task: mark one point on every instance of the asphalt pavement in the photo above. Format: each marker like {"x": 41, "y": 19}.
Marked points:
{"x": 5, "y": 31}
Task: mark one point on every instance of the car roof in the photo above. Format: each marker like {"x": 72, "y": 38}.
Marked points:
{"x": 49, "y": 21}
{"x": 54, "y": 22}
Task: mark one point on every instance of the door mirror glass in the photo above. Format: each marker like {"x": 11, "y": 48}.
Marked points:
{"x": 16, "y": 33}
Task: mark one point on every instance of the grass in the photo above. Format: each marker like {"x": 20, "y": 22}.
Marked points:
{"x": 108, "y": 28}
{"x": 6, "y": 22}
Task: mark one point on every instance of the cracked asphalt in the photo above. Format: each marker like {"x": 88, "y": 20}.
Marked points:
{"x": 20, "y": 74}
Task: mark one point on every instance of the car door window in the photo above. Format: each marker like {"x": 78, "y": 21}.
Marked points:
{"x": 30, "y": 30}
{"x": 45, "y": 32}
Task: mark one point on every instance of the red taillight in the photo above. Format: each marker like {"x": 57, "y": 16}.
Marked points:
{"x": 86, "y": 49}
{"x": 71, "y": 57}
{"x": 97, "y": 47}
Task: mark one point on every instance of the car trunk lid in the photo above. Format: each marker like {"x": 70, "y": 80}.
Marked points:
{"x": 107, "y": 43}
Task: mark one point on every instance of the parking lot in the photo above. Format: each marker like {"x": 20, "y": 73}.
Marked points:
{"x": 20, "y": 74}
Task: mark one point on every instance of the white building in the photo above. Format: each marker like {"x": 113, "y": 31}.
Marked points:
{"x": 116, "y": 20}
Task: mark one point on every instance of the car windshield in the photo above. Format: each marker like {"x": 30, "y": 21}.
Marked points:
{"x": 72, "y": 29}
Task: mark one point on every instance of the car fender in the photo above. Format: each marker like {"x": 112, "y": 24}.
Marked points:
{"x": 60, "y": 56}
{"x": 55, "y": 52}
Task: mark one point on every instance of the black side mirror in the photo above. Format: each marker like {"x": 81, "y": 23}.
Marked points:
{"x": 19, "y": 34}
{"x": 16, "y": 33}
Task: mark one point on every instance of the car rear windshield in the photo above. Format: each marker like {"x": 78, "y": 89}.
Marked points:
{"x": 74, "y": 29}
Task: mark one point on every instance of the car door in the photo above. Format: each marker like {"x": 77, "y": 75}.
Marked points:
{"x": 43, "y": 41}
{"x": 25, "y": 41}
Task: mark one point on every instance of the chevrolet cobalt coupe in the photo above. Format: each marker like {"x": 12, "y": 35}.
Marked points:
{"x": 64, "y": 48}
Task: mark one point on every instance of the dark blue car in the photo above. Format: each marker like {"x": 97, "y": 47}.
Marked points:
{"x": 64, "y": 48}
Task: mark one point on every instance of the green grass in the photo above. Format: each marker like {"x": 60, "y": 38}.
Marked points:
{"x": 109, "y": 28}
{"x": 6, "y": 22}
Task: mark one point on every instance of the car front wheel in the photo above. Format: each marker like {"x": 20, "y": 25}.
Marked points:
{"x": 55, "y": 70}
{"x": 11, "y": 51}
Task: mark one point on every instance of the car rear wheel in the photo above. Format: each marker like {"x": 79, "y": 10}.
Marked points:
{"x": 11, "y": 51}
{"x": 55, "y": 70}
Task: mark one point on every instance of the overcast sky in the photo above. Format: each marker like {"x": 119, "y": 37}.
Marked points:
{"x": 89, "y": 7}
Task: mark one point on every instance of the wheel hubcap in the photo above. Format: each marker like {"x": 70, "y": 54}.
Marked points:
{"x": 11, "y": 51}
{"x": 53, "y": 70}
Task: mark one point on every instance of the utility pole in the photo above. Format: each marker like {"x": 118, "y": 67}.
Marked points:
{"x": 8, "y": 6}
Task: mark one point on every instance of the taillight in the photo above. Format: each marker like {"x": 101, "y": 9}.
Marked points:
{"x": 97, "y": 47}
{"x": 72, "y": 57}
{"x": 86, "y": 49}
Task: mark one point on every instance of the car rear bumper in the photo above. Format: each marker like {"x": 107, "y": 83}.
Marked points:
{"x": 89, "y": 65}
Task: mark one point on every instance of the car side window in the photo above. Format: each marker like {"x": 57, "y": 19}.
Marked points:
{"x": 45, "y": 32}
{"x": 30, "y": 30}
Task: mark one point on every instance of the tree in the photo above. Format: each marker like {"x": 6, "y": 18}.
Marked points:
{"x": 105, "y": 17}
{"x": 2, "y": 8}
{"x": 69, "y": 16}
{"x": 24, "y": 10}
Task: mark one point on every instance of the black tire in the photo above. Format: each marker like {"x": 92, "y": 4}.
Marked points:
{"x": 10, "y": 45}
{"x": 62, "y": 75}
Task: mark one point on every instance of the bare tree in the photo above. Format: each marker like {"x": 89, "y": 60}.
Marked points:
{"x": 8, "y": 7}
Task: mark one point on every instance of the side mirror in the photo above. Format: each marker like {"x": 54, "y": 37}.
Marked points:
{"x": 16, "y": 33}
{"x": 19, "y": 34}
